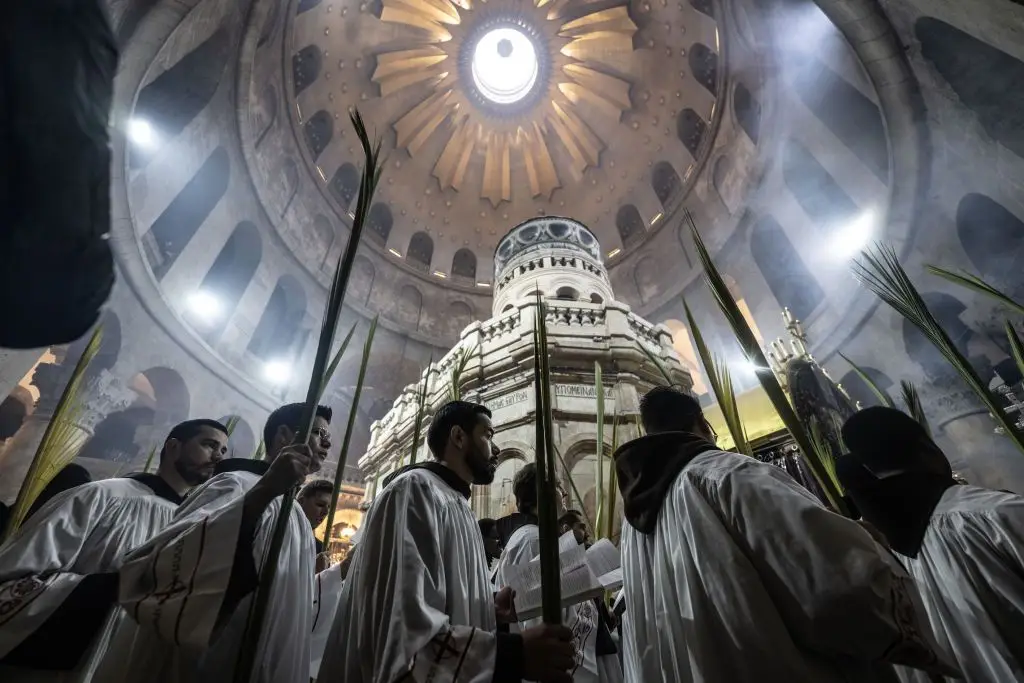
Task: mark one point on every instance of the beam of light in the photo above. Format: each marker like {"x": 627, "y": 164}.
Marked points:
{"x": 277, "y": 372}
{"x": 205, "y": 305}
{"x": 141, "y": 133}
{"x": 849, "y": 239}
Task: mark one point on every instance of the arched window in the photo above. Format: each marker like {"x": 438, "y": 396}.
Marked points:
{"x": 704, "y": 7}
{"x": 567, "y": 294}
{"x": 459, "y": 315}
{"x": 747, "y": 111}
{"x": 704, "y": 65}
{"x": 421, "y": 250}
{"x": 324, "y": 233}
{"x": 175, "y": 227}
{"x": 379, "y": 221}
{"x": 783, "y": 269}
{"x": 815, "y": 190}
{"x": 690, "y": 128}
{"x": 279, "y": 326}
{"x": 596, "y": 298}
{"x": 507, "y": 308}
{"x": 306, "y": 5}
{"x": 306, "y": 65}
{"x": 993, "y": 239}
{"x": 408, "y": 307}
{"x": 464, "y": 264}
{"x": 665, "y": 182}
{"x": 319, "y": 130}
{"x": 852, "y": 117}
{"x": 630, "y": 225}
{"x": 174, "y": 98}
{"x": 986, "y": 79}
{"x": 227, "y": 279}
{"x": 345, "y": 184}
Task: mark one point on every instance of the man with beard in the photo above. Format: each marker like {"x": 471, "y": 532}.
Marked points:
{"x": 190, "y": 588}
{"x": 417, "y": 605}
{"x": 58, "y": 575}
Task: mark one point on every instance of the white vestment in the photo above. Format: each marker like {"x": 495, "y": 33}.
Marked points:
{"x": 83, "y": 531}
{"x": 326, "y": 591}
{"x": 582, "y": 619}
{"x": 417, "y": 605}
{"x": 747, "y": 578}
{"x": 970, "y": 570}
{"x": 174, "y": 587}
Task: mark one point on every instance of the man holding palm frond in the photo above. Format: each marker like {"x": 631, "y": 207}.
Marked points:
{"x": 58, "y": 575}
{"x": 190, "y": 587}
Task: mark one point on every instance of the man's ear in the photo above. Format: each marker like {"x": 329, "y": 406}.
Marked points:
{"x": 457, "y": 436}
{"x": 172, "y": 449}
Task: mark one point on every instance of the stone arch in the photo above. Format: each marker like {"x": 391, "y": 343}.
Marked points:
{"x": 986, "y": 79}
{"x": 277, "y": 332}
{"x": 243, "y": 440}
{"x": 306, "y": 66}
{"x": 421, "y": 250}
{"x": 345, "y": 184}
{"x": 115, "y": 438}
{"x": 783, "y": 269}
{"x": 690, "y": 129}
{"x": 325, "y": 233}
{"x": 501, "y": 501}
{"x": 630, "y": 225}
{"x": 363, "y": 274}
{"x": 849, "y": 114}
{"x": 993, "y": 238}
{"x": 460, "y": 314}
{"x": 318, "y": 130}
{"x": 747, "y": 111}
{"x": 704, "y": 65}
{"x": 581, "y": 461}
{"x": 464, "y": 264}
{"x": 380, "y": 222}
{"x": 409, "y": 306}
{"x": 596, "y": 298}
{"x": 815, "y": 190}
{"x": 165, "y": 392}
{"x": 229, "y": 276}
{"x": 174, "y": 98}
{"x": 175, "y": 227}
{"x": 665, "y": 182}
{"x": 567, "y": 294}
{"x": 859, "y": 390}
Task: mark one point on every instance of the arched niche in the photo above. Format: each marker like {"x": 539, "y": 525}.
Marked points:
{"x": 459, "y": 315}
{"x": 380, "y": 222}
{"x": 690, "y": 129}
{"x": 242, "y": 443}
{"x": 501, "y": 501}
{"x": 306, "y": 66}
{"x": 227, "y": 279}
{"x": 345, "y": 184}
{"x": 993, "y": 238}
{"x": 986, "y": 80}
{"x": 783, "y": 269}
{"x": 361, "y": 282}
{"x": 115, "y": 438}
{"x": 421, "y": 250}
{"x": 665, "y": 182}
{"x": 645, "y": 279}
{"x": 175, "y": 227}
{"x": 464, "y": 264}
{"x": 174, "y": 98}
{"x": 596, "y": 298}
{"x": 408, "y": 306}
{"x": 324, "y": 232}
{"x": 819, "y": 195}
{"x": 704, "y": 65}
{"x": 567, "y": 294}
{"x": 581, "y": 460}
{"x": 747, "y": 111}
{"x": 319, "y": 130}
{"x": 630, "y": 225}
{"x": 278, "y": 329}
{"x": 859, "y": 390}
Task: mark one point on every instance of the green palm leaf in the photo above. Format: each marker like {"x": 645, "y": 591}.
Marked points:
{"x": 599, "y": 474}
{"x": 613, "y": 481}
{"x": 913, "y": 402}
{"x": 1016, "y": 347}
{"x": 335, "y": 361}
{"x": 878, "y": 391}
{"x": 572, "y": 487}
{"x": 547, "y": 513}
{"x": 975, "y": 283}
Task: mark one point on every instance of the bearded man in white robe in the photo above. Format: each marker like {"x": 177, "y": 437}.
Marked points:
{"x": 964, "y": 545}
{"x": 582, "y": 619}
{"x": 58, "y": 575}
{"x": 190, "y": 588}
{"x": 417, "y": 605}
{"x": 734, "y": 574}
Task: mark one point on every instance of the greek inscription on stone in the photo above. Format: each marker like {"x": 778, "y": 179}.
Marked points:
{"x": 580, "y": 391}
{"x": 508, "y": 399}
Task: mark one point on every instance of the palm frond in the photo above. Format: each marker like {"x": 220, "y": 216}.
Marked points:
{"x": 261, "y": 450}
{"x": 878, "y": 391}
{"x": 335, "y": 362}
{"x": 599, "y": 475}
{"x": 547, "y": 514}
{"x": 458, "y": 369}
{"x": 721, "y": 384}
{"x": 421, "y": 405}
{"x": 613, "y": 481}
{"x": 349, "y": 428}
{"x": 769, "y": 382}
{"x": 656, "y": 362}
{"x": 912, "y": 400}
{"x": 247, "y": 653}
{"x": 881, "y": 272}
{"x": 823, "y": 452}
{"x": 975, "y": 283}
{"x": 1016, "y": 347}
{"x": 62, "y": 438}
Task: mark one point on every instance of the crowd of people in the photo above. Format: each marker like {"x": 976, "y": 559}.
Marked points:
{"x": 731, "y": 571}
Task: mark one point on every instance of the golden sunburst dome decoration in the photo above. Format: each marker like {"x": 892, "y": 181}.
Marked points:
{"x": 505, "y": 80}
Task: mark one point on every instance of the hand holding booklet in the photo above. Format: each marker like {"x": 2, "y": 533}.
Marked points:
{"x": 586, "y": 574}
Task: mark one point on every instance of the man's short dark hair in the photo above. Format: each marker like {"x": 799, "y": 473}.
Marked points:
{"x": 524, "y": 487}
{"x": 316, "y": 486}
{"x": 290, "y": 415}
{"x": 664, "y": 409}
{"x": 571, "y": 517}
{"x": 463, "y": 414}
{"x": 487, "y": 525}
{"x": 887, "y": 441}
{"x": 188, "y": 429}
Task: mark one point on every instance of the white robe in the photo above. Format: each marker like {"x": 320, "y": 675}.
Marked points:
{"x": 417, "y": 605}
{"x": 970, "y": 570}
{"x": 326, "y": 592}
{"x": 86, "y": 530}
{"x": 724, "y": 592}
{"x": 174, "y": 587}
{"x": 524, "y": 545}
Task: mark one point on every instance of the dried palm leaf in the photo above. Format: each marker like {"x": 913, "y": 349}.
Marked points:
{"x": 458, "y": 369}
{"x": 975, "y": 283}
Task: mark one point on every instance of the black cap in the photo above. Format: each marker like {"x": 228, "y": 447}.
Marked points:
{"x": 884, "y": 441}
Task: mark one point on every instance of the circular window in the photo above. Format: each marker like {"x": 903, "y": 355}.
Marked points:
{"x": 504, "y": 65}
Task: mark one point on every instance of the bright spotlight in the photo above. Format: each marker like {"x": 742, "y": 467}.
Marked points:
{"x": 504, "y": 65}
{"x": 277, "y": 371}
{"x": 141, "y": 133}
{"x": 348, "y": 532}
{"x": 851, "y": 238}
{"x": 205, "y": 306}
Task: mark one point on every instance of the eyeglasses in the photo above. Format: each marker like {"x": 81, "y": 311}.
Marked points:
{"x": 322, "y": 434}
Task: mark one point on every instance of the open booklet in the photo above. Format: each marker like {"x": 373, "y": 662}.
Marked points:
{"x": 586, "y": 573}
